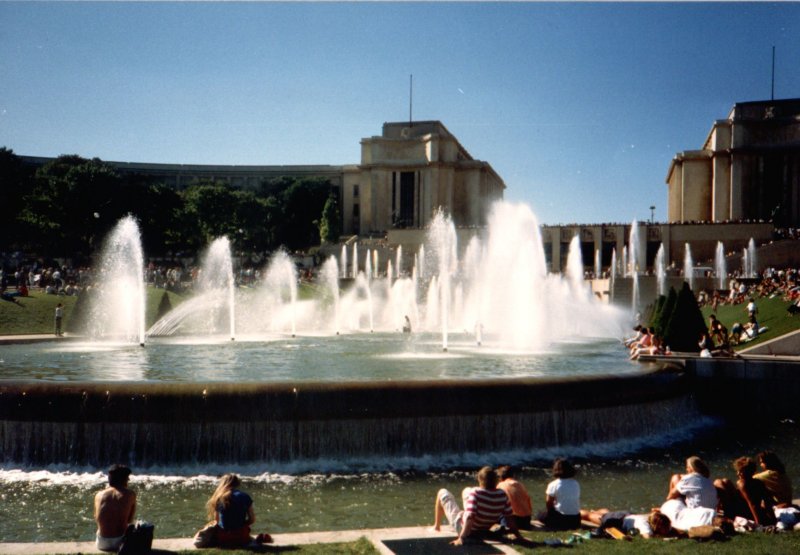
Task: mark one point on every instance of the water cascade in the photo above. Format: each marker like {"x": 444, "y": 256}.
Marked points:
{"x": 688, "y": 267}
{"x": 661, "y": 274}
{"x": 719, "y": 265}
{"x": 117, "y": 307}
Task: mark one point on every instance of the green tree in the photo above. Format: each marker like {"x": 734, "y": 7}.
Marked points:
{"x": 330, "y": 224}
{"x": 686, "y": 323}
{"x": 301, "y": 206}
{"x": 15, "y": 184}
{"x": 71, "y": 205}
{"x": 210, "y": 208}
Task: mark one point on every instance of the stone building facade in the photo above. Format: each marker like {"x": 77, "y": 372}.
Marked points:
{"x": 406, "y": 174}
{"x": 747, "y": 169}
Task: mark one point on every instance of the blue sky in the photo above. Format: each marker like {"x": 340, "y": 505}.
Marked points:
{"x": 579, "y": 107}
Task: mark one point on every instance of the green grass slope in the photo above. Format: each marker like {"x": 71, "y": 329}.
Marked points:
{"x": 771, "y": 313}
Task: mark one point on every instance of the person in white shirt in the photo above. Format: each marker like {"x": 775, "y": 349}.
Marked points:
{"x": 694, "y": 488}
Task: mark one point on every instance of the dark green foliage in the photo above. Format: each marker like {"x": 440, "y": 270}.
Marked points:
{"x": 164, "y": 306}
{"x": 68, "y": 205}
{"x": 330, "y": 225}
{"x": 662, "y": 315}
{"x": 685, "y": 324}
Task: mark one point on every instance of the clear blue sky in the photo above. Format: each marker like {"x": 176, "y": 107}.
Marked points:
{"x": 578, "y": 107}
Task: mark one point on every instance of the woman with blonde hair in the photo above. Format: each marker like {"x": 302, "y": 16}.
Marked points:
{"x": 232, "y": 510}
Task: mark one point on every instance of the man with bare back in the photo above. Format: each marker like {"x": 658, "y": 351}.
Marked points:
{"x": 114, "y": 509}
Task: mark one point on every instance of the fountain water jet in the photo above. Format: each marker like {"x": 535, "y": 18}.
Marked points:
{"x": 752, "y": 271}
{"x": 117, "y": 307}
{"x": 719, "y": 265}
{"x": 688, "y": 267}
{"x": 661, "y": 274}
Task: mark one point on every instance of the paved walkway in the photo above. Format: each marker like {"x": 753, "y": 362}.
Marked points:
{"x": 181, "y": 544}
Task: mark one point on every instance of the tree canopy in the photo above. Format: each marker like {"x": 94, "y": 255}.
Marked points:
{"x": 68, "y": 205}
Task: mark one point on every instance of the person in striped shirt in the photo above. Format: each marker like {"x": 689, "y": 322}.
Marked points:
{"x": 484, "y": 506}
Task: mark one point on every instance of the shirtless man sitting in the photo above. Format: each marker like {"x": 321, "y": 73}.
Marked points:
{"x": 114, "y": 509}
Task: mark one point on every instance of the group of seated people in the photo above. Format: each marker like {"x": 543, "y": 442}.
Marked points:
{"x": 229, "y": 510}
{"x": 645, "y": 342}
{"x": 693, "y": 501}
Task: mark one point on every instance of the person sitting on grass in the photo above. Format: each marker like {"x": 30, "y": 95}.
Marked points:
{"x": 232, "y": 510}
{"x": 655, "y": 524}
{"x": 748, "y": 498}
{"x": 484, "y": 506}
{"x": 517, "y": 496}
{"x": 775, "y": 479}
{"x": 114, "y": 509}
{"x": 562, "y": 498}
{"x": 695, "y": 487}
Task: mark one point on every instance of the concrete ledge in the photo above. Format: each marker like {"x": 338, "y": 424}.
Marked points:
{"x": 183, "y": 544}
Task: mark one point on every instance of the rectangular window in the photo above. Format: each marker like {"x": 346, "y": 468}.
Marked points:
{"x": 406, "y": 199}
{"x": 355, "y": 191}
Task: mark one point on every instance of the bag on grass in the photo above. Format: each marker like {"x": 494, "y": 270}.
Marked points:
{"x": 138, "y": 539}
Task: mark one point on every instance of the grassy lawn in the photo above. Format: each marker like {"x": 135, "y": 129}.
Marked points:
{"x": 771, "y": 313}
{"x": 751, "y": 544}
{"x": 34, "y": 314}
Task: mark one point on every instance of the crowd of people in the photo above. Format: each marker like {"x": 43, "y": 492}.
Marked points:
{"x": 500, "y": 505}
{"x": 756, "y": 500}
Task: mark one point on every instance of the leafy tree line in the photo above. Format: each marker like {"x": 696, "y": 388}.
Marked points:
{"x": 67, "y": 206}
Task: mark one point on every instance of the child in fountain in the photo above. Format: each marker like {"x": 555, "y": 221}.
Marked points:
{"x": 562, "y": 498}
{"x": 484, "y": 506}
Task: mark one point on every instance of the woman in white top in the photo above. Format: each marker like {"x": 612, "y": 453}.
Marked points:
{"x": 695, "y": 487}
{"x": 562, "y": 498}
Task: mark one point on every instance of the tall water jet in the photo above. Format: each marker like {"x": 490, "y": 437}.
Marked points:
{"x": 399, "y": 265}
{"x": 216, "y": 275}
{"x": 442, "y": 238}
{"x": 634, "y": 263}
{"x": 688, "y": 267}
{"x": 355, "y": 260}
{"x": 575, "y": 267}
{"x": 613, "y": 269}
{"x": 280, "y": 286}
{"x": 745, "y": 263}
{"x": 751, "y": 251}
{"x": 343, "y": 261}
{"x": 421, "y": 262}
{"x": 330, "y": 276}
{"x": 719, "y": 265}
{"x": 117, "y": 306}
{"x": 368, "y": 265}
{"x": 661, "y": 273}
{"x": 375, "y": 266}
